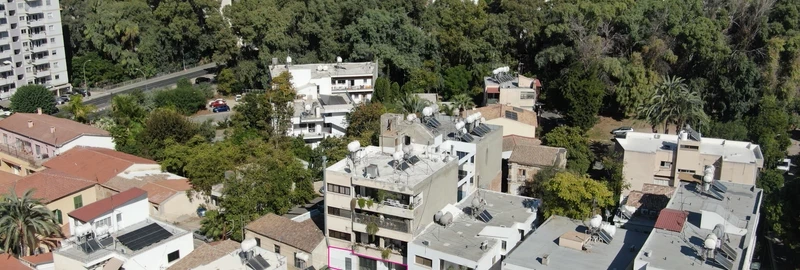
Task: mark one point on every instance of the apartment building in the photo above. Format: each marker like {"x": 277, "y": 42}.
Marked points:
{"x": 666, "y": 159}
{"x": 316, "y": 118}
{"x": 31, "y": 46}
{"x": 506, "y": 88}
{"x": 30, "y": 139}
{"x": 476, "y": 145}
{"x": 378, "y": 199}
{"x": 355, "y": 80}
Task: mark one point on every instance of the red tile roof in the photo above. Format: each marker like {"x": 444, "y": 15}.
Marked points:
{"x": 97, "y": 164}
{"x": 65, "y": 130}
{"x": 160, "y": 191}
{"x": 671, "y": 220}
{"x": 38, "y": 259}
{"x": 304, "y": 235}
{"x": 8, "y": 262}
{"x": 91, "y": 211}
{"x": 48, "y": 185}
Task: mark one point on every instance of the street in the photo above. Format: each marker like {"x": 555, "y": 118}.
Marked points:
{"x": 214, "y": 117}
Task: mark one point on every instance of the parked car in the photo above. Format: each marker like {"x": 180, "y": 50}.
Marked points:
{"x": 221, "y": 108}
{"x": 621, "y": 131}
{"x": 785, "y": 165}
{"x": 62, "y": 99}
{"x": 5, "y": 113}
{"x": 216, "y": 102}
{"x": 200, "y": 80}
{"x": 84, "y": 93}
{"x": 238, "y": 98}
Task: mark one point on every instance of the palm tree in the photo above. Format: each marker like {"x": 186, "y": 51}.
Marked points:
{"x": 673, "y": 103}
{"x": 26, "y": 224}
{"x": 80, "y": 111}
{"x": 411, "y": 103}
{"x": 462, "y": 102}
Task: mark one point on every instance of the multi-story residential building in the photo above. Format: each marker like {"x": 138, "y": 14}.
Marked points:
{"x": 32, "y": 46}
{"x": 356, "y": 80}
{"x": 29, "y": 139}
{"x": 378, "y": 198}
{"x": 318, "y": 118}
{"x": 118, "y": 232}
{"x": 474, "y": 234}
{"x": 666, "y": 159}
{"x": 514, "y": 120}
{"x": 231, "y": 255}
{"x": 508, "y": 89}
{"x": 477, "y": 146}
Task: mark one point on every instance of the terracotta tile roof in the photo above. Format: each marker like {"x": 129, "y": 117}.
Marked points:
{"x": 536, "y": 155}
{"x": 98, "y": 164}
{"x": 8, "y": 262}
{"x": 671, "y": 220}
{"x": 7, "y": 178}
{"x": 93, "y": 210}
{"x": 159, "y": 187}
{"x": 304, "y": 235}
{"x": 38, "y": 259}
{"x": 49, "y": 185}
{"x": 652, "y": 197}
{"x": 205, "y": 254}
{"x": 65, "y": 130}
{"x": 510, "y": 141}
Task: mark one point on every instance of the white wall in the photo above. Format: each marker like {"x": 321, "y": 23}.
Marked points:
{"x": 132, "y": 213}
{"x": 156, "y": 257}
{"x": 88, "y": 140}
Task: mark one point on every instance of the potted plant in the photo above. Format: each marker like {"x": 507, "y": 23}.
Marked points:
{"x": 385, "y": 253}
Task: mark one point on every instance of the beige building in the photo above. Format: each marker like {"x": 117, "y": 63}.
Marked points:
{"x": 229, "y": 255}
{"x": 302, "y": 243}
{"x": 376, "y": 201}
{"x": 512, "y": 90}
{"x": 514, "y": 120}
{"x": 526, "y": 157}
{"x": 666, "y": 159}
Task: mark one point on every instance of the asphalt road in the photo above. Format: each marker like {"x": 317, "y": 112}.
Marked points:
{"x": 102, "y": 99}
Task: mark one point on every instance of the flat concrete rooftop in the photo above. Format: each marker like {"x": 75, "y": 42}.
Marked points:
{"x": 599, "y": 255}
{"x": 729, "y": 150}
{"x": 463, "y": 238}
{"x": 333, "y": 69}
{"x": 404, "y": 174}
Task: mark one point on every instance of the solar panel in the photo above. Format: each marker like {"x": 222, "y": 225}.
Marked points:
{"x": 605, "y": 236}
{"x": 478, "y": 132}
{"x": 715, "y": 194}
{"x": 485, "y": 128}
{"x": 625, "y": 214}
{"x": 485, "y": 216}
{"x": 432, "y": 122}
{"x": 467, "y": 138}
{"x": 729, "y": 251}
{"x": 413, "y": 160}
{"x": 145, "y": 236}
{"x": 723, "y": 261}
{"x": 90, "y": 246}
{"x": 719, "y": 186}
{"x": 258, "y": 263}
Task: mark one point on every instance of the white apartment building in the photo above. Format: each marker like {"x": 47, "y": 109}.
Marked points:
{"x": 118, "y": 233}
{"x": 376, "y": 202}
{"x": 317, "y": 118}
{"x": 356, "y": 80}
{"x": 31, "y": 46}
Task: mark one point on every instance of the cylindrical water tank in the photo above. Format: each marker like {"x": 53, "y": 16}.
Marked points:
{"x": 438, "y": 217}
{"x": 83, "y": 229}
{"x": 411, "y": 117}
{"x": 596, "y": 221}
{"x": 446, "y": 219}
{"x": 248, "y": 244}
{"x": 353, "y": 146}
{"x": 708, "y": 178}
{"x": 427, "y": 111}
{"x": 710, "y": 242}
{"x": 397, "y": 155}
{"x": 610, "y": 229}
{"x": 459, "y": 125}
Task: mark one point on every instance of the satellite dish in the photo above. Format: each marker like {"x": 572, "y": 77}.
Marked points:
{"x": 397, "y": 155}
{"x": 248, "y": 244}
{"x": 338, "y": 59}
{"x": 710, "y": 242}
{"x": 596, "y": 221}
{"x": 353, "y": 146}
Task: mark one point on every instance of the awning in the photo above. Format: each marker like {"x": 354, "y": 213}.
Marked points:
{"x": 493, "y": 90}
{"x": 112, "y": 264}
{"x": 302, "y": 256}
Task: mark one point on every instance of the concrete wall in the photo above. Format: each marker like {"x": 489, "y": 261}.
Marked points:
{"x": 638, "y": 168}
{"x": 156, "y": 257}
{"x": 133, "y": 212}
{"x": 317, "y": 258}
{"x": 488, "y": 158}
{"x": 67, "y": 204}
{"x": 87, "y": 140}
{"x": 436, "y": 192}
{"x": 512, "y": 96}
{"x": 516, "y": 180}
{"x": 11, "y": 138}
{"x": 62, "y": 262}
{"x": 179, "y": 205}
{"x": 436, "y": 256}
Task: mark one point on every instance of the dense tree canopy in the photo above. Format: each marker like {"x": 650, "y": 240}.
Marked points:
{"x": 30, "y": 98}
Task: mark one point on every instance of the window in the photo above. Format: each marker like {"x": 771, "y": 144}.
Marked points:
{"x": 55, "y": 64}
{"x": 521, "y": 172}
{"x": 503, "y": 244}
{"x": 5, "y": 138}
{"x": 51, "y": 27}
{"x": 666, "y": 164}
{"x": 486, "y": 157}
{"x": 527, "y": 95}
{"x": 339, "y": 212}
{"x": 689, "y": 147}
{"x": 53, "y": 40}
{"x": 407, "y": 140}
{"x": 258, "y": 241}
{"x": 78, "y": 201}
{"x": 57, "y": 215}
{"x": 38, "y": 150}
{"x": 22, "y": 18}
{"x": 103, "y": 222}
{"x": 57, "y": 77}
{"x": 119, "y": 217}
{"x": 173, "y": 256}
{"x": 49, "y": 15}
{"x": 424, "y": 261}
{"x": 299, "y": 263}
{"x": 661, "y": 182}
{"x": 53, "y": 52}
{"x": 461, "y": 154}
{"x": 348, "y": 264}
{"x": 339, "y": 235}
{"x": 24, "y": 31}
{"x": 511, "y": 115}
{"x": 20, "y": 5}
{"x": 686, "y": 171}
{"x": 339, "y": 189}
{"x": 367, "y": 264}
{"x": 312, "y": 127}
{"x": 278, "y": 249}
{"x": 47, "y": 2}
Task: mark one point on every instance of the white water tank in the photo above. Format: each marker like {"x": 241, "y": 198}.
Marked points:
{"x": 684, "y": 136}
{"x": 610, "y": 229}
{"x": 248, "y": 244}
{"x": 427, "y": 111}
{"x": 438, "y": 217}
{"x": 397, "y": 155}
{"x": 83, "y": 229}
{"x": 710, "y": 242}
{"x": 596, "y": 221}
{"x": 353, "y": 146}
{"x": 411, "y": 117}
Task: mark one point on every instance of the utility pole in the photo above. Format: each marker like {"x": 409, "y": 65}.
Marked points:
{"x": 325, "y": 201}
{"x": 85, "y": 84}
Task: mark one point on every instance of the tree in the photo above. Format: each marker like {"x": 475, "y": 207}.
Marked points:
{"x": 364, "y": 122}
{"x": 456, "y": 81}
{"x": 575, "y": 196}
{"x": 674, "y": 103}
{"x": 463, "y": 102}
{"x": 411, "y": 103}
{"x": 80, "y": 112}
{"x": 383, "y": 91}
{"x": 185, "y": 99}
{"x": 161, "y": 125}
{"x": 579, "y": 156}
{"x": 769, "y": 128}
{"x": 26, "y": 224}
{"x": 29, "y": 98}
{"x": 583, "y": 94}
{"x": 226, "y": 81}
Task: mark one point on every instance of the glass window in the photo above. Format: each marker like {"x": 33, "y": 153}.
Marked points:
{"x": 367, "y": 264}
{"x": 119, "y": 217}
{"x": 103, "y": 222}
{"x": 52, "y": 40}
{"x": 57, "y": 215}
{"x": 173, "y": 256}
{"x": 51, "y": 27}
{"x": 299, "y": 263}
{"x": 278, "y": 249}
{"x": 338, "y": 189}
{"x": 666, "y": 164}
{"x": 53, "y": 52}
{"x": 339, "y": 235}
{"x": 424, "y": 261}
{"x": 527, "y": 95}
{"x": 78, "y": 201}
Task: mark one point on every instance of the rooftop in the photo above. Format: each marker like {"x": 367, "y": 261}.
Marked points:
{"x": 160, "y": 186}
{"x": 302, "y": 235}
{"x": 206, "y": 254}
{"x": 327, "y": 103}
{"x": 48, "y": 185}
{"x": 48, "y": 129}
{"x": 333, "y": 69}
{"x": 129, "y": 242}
{"x": 8, "y": 262}
{"x": 507, "y": 80}
{"x": 511, "y": 141}
{"x": 536, "y": 155}
{"x": 464, "y": 236}
{"x": 652, "y": 197}
{"x": 228, "y": 255}
{"x": 38, "y": 259}
{"x": 738, "y": 210}
{"x": 96, "y": 164}
{"x": 406, "y": 174}
{"x": 599, "y": 255}
{"x": 730, "y": 151}
{"x": 99, "y": 208}
{"x": 497, "y": 113}
{"x": 428, "y": 128}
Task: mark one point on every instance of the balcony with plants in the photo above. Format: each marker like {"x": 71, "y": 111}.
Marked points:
{"x": 384, "y": 201}
{"x": 384, "y": 247}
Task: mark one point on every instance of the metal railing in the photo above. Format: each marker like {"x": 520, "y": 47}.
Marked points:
{"x": 22, "y": 154}
{"x": 137, "y": 80}
{"x": 386, "y": 223}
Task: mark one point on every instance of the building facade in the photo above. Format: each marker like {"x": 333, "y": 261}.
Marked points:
{"x": 512, "y": 90}
{"x": 356, "y": 80}
{"x": 317, "y": 118}
{"x": 32, "y": 46}
{"x": 301, "y": 242}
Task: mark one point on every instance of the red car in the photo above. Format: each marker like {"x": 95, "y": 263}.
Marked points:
{"x": 216, "y": 103}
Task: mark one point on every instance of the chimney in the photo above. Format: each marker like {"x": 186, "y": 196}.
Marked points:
{"x": 39, "y": 111}
{"x": 52, "y": 130}
{"x": 30, "y": 123}
{"x": 546, "y": 260}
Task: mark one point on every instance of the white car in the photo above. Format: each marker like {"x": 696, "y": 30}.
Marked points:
{"x": 238, "y": 98}
{"x": 785, "y": 165}
{"x": 5, "y": 113}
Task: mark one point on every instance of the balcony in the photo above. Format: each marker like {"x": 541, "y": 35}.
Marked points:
{"x": 24, "y": 154}
{"x": 341, "y": 88}
{"x": 37, "y": 35}
{"x": 393, "y": 224}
